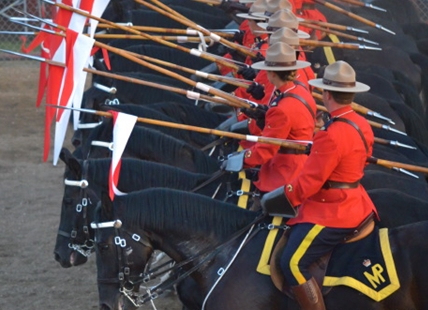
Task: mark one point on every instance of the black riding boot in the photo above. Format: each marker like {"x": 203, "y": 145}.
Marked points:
{"x": 309, "y": 296}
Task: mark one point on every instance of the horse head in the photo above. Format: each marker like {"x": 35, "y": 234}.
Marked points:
{"x": 121, "y": 258}
{"x": 74, "y": 241}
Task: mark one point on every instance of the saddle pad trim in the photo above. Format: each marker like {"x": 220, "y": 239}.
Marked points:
{"x": 245, "y": 186}
{"x": 328, "y": 51}
{"x": 390, "y": 267}
{"x": 263, "y": 267}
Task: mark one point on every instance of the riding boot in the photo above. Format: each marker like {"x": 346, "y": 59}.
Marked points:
{"x": 309, "y": 296}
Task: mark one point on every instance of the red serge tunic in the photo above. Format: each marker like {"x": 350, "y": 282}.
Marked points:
{"x": 338, "y": 154}
{"x": 287, "y": 119}
{"x": 248, "y": 41}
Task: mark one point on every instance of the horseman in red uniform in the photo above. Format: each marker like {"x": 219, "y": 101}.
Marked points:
{"x": 290, "y": 115}
{"x": 327, "y": 194}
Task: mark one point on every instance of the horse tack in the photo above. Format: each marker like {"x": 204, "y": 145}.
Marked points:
{"x": 86, "y": 247}
{"x": 319, "y": 267}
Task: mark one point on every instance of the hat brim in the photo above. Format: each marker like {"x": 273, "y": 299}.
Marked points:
{"x": 250, "y": 16}
{"x": 358, "y": 88}
{"x": 301, "y": 34}
{"x": 300, "y": 64}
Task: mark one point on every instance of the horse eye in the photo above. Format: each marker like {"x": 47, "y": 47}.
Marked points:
{"x": 67, "y": 201}
{"x": 103, "y": 246}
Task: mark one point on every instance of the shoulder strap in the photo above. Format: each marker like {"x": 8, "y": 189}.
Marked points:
{"x": 306, "y": 104}
{"x": 347, "y": 121}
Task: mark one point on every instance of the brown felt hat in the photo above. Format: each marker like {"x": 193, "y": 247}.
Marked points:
{"x": 340, "y": 77}
{"x": 280, "y": 57}
{"x": 283, "y": 18}
{"x": 259, "y": 6}
{"x": 273, "y": 6}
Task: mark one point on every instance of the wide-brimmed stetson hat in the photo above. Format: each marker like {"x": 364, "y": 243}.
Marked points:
{"x": 280, "y": 57}
{"x": 340, "y": 77}
{"x": 274, "y": 6}
{"x": 283, "y": 18}
{"x": 288, "y": 36}
{"x": 285, "y": 35}
{"x": 257, "y": 6}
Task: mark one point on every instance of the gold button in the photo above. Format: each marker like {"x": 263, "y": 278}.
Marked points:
{"x": 289, "y": 187}
{"x": 247, "y": 154}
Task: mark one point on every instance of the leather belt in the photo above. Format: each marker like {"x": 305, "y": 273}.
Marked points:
{"x": 283, "y": 150}
{"x": 308, "y": 6}
{"x": 343, "y": 185}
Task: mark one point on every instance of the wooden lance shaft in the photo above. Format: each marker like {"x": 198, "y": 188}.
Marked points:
{"x": 178, "y": 18}
{"x": 169, "y": 30}
{"x": 279, "y": 142}
{"x": 212, "y": 77}
{"x": 394, "y": 164}
{"x": 167, "y": 43}
{"x": 189, "y": 94}
{"x": 329, "y": 25}
{"x": 352, "y": 15}
{"x": 234, "y": 100}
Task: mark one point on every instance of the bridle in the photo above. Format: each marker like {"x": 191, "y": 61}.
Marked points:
{"x": 85, "y": 248}
{"x": 124, "y": 279}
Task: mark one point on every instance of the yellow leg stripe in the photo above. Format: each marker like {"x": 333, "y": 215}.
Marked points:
{"x": 301, "y": 250}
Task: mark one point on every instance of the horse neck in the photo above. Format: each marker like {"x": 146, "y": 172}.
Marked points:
{"x": 181, "y": 246}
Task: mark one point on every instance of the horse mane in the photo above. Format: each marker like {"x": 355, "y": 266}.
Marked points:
{"x": 164, "y": 209}
{"x": 134, "y": 173}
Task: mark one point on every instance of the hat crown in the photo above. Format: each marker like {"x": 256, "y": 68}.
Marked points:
{"x": 285, "y": 35}
{"x": 259, "y": 6}
{"x": 283, "y": 18}
{"x": 280, "y": 53}
{"x": 275, "y": 5}
{"x": 340, "y": 72}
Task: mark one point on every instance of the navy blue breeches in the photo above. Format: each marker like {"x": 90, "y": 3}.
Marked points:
{"x": 306, "y": 243}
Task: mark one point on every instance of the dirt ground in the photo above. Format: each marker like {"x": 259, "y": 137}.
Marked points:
{"x": 31, "y": 194}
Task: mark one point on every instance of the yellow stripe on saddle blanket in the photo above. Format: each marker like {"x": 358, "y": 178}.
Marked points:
{"x": 263, "y": 267}
{"x": 328, "y": 51}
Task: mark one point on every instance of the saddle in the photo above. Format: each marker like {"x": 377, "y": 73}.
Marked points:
{"x": 319, "y": 267}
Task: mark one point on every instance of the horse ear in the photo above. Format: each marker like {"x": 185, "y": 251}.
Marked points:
{"x": 65, "y": 154}
{"x": 71, "y": 161}
{"x": 107, "y": 204}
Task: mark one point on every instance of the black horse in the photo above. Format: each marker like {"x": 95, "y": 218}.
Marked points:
{"x": 74, "y": 235}
{"x": 208, "y": 236}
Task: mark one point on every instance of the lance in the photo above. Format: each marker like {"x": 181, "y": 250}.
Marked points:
{"x": 373, "y": 124}
{"x": 190, "y": 32}
{"x": 367, "y": 5}
{"x": 194, "y": 52}
{"x": 185, "y": 21}
{"x": 338, "y": 33}
{"x": 333, "y": 26}
{"x": 352, "y": 15}
{"x": 179, "y": 39}
{"x": 352, "y": 46}
{"x": 235, "y": 101}
{"x": 359, "y": 108}
{"x": 280, "y": 142}
{"x": 213, "y": 77}
{"x": 189, "y": 94}
{"x": 394, "y": 164}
